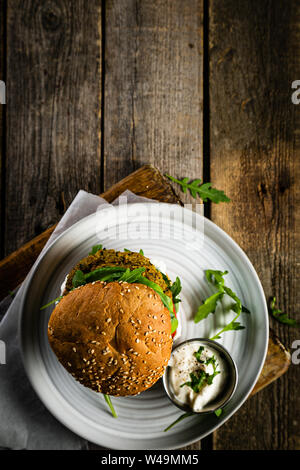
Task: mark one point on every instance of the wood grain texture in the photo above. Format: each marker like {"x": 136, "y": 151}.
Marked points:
{"x": 254, "y": 154}
{"x": 153, "y": 87}
{"x": 53, "y": 111}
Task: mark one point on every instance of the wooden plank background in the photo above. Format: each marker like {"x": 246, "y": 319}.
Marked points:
{"x": 96, "y": 89}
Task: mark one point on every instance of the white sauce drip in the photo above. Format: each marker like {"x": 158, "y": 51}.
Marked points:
{"x": 182, "y": 363}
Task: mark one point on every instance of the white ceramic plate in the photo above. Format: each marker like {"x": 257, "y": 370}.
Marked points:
{"x": 190, "y": 244}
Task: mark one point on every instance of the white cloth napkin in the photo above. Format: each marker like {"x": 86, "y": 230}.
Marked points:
{"x": 24, "y": 421}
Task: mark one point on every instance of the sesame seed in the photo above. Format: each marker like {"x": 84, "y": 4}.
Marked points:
{"x": 108, "y": 320}
{"x": 137, "y": 340}
{"x": 74, "y": 349}
{"x": 69, "y": 364}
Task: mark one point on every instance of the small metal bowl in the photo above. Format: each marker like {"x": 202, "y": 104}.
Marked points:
{"x": 227, "y": 391}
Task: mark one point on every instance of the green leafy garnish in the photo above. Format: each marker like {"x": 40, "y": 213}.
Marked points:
{"x": 218, "y": 412}
{"x": 132, "y": 276}
{"x": 176, "y": 289}
{"x": 130, "y": 251}
{"x": 198, "y": 353}
{"x": 95, "y": 248}
{"x": 216, "y": 278}
{"x": 52, "y": 302}
{"x": 203, "y": 190}
{"x": 108, "y": 401}
{"x": 280, "y": 316}
{"x": 209, "y": 306}
{"x": 78, "y": 279}
{"x": 202, "y": 378}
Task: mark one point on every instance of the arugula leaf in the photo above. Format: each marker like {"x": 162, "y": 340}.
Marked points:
{"x": 202, "y": 378}
{"x": 78, "y": 279}
{"x": 176, "y": 289}
{"x": 181, "y": 417}
{"x": 108, "y": 401}
{"x": 197, "y": 381}
{"x": 52, "y": 302}
{"x": 205, "y": 190}
{"x": 174, "y": 324}
{"x": 209, "y": 306}
{"x": 132, "y": 276}
{"x": 216, "y": 278}
{"x": 130, "y": 251}
{"x": 198, "y": 353}
{"x": 116, "y": 273}
{"x": 280, "y": 316}
{"x": 107, "y": 273}
{"x": 95, "y": 248}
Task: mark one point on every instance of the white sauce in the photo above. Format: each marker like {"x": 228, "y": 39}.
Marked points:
{"x": 182, "y": 363}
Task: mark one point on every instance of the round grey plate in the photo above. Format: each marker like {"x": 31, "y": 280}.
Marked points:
{"x": 188, "y": 244}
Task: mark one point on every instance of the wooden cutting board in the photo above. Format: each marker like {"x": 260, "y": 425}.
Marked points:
{"x": 148, "y": 182}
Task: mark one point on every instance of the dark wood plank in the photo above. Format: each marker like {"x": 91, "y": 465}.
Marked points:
{"x": 254, "y": 57}
{"x": 153, "y": 87}
{"x": 53, "y": 111}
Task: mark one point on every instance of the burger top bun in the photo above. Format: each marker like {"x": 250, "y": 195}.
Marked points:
{"x": 114, "y": 338}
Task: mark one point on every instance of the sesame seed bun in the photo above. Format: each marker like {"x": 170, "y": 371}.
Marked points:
{"x": 114, "y": 338}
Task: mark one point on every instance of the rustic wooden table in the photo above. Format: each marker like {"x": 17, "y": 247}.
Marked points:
{"x": 95, "y": 89}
